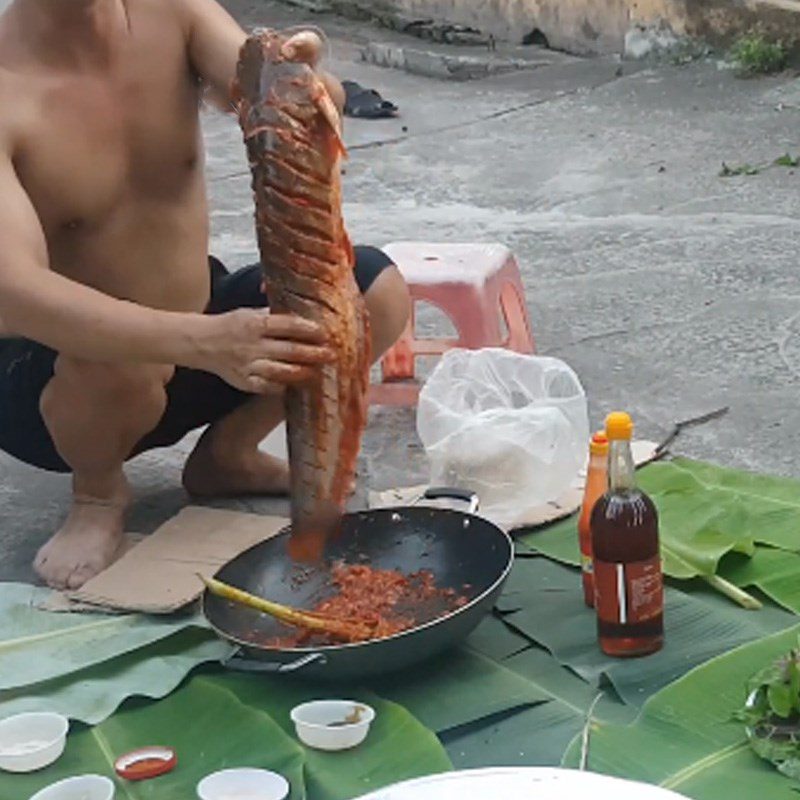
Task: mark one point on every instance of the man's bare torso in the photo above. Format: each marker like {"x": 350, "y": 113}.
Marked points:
{"x": 111, "y": 156}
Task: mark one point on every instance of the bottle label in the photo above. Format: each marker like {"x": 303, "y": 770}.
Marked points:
{"x": 627, "y": 594}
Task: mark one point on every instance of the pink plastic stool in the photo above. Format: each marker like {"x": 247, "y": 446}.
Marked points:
{"x": 474, "y": 285}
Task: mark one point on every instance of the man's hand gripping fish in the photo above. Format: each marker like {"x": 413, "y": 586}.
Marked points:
{"x": 292, "y": 131}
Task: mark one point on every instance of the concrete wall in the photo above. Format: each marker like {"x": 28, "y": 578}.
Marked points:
{"x": 596, "y": 26}
{"x": 575, "y": 25}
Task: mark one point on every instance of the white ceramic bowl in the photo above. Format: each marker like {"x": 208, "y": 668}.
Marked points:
{"x": 243, "y": 784}
{"x": 32, "y": 741}
{"x": 323, "y": 724}
{"x": 84, "y": 787}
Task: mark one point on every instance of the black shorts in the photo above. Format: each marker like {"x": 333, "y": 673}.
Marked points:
{"x": 194, "y": 398}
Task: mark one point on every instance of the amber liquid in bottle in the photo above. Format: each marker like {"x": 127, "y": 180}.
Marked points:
{"x": 627, "y": 564}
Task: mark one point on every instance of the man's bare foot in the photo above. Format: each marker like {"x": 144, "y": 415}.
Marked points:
{"x": 212, "y": 470}
{"x": 86, "y": 543}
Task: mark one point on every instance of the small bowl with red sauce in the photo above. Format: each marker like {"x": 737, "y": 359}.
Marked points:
{"x": 332, "y": 724}
{"x": 146, "y": 763}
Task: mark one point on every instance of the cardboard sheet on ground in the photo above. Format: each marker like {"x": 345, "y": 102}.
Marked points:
{"x": 643, "y": 453}
{"x": 159, "y": 575}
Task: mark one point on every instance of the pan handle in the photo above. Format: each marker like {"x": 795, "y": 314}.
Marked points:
{"x": 444, "y": 492}
{"x": 251, "y": 665}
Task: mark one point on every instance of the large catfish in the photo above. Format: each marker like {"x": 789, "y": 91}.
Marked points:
{"x": 293, "y": 136}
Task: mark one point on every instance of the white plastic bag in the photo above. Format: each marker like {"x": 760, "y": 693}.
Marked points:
{"x": 512, "y": 428}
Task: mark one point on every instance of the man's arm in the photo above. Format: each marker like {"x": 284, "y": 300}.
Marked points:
{"x": 42, "y": 305}
{"x": 215, "y": 39}
{"x": 251, "y": 349}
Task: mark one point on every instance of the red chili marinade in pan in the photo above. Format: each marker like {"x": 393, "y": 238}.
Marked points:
{"x": 381, "y": 602}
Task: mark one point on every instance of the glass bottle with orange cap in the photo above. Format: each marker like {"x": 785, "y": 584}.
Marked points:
{"x": 629, "y": 589}
{"x": 596, "y": 487}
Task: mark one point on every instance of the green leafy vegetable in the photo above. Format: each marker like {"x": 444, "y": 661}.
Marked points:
{"x": 772, "y": 713}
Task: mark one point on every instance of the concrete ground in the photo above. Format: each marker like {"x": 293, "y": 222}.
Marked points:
{"x": 672, "y": 291}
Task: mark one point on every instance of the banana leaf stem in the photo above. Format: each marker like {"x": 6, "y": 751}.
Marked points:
{"x": 587, "y": 732}
{"x": 736, "y": 594}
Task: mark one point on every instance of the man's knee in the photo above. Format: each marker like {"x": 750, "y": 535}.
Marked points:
{"x": 133, "y": 389}
{"x": 389, "y": 304}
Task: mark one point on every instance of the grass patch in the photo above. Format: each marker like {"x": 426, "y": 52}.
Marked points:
{"x": 755, "y": 55}
{"x": 787, "y": 160}
{"x": 741, "y": 169}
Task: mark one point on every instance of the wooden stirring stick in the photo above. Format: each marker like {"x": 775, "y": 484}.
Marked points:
{"x": 291, "y": 616}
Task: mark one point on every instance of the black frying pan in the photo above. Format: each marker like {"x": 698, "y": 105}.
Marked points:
{"x": 459, "y": 548}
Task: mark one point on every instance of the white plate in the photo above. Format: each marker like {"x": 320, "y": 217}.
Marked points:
{"x": 521, "y": 784}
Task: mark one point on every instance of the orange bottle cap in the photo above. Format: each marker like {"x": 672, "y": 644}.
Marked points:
{"x": 599, "y": 444}
{"x": 619, "y": 426}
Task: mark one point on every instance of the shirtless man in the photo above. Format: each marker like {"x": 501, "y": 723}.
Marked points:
{"x": 119, "y": 333}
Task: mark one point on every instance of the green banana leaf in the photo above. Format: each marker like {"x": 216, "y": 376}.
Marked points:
{"x": 742, "y": 482}
{"x": 37, "y": 646}
{"x": 493, "y": 699}
{"x": 767, "y": 506}
{"x": 537, "y": 735}
{"x": 96, "y": 692}
{"x": 500, "y": 700}
{"x": 569, "y": 691}
{"x": 495, "y": 640}
{"x": 686, "y": 738}
{"x": 698, "y": 626}
{"x": 705, "y": 512}
{"x": 775, "y": 572}
{"x": 461, "y": 687}
{"x": 399, "y": 747}
{"x": 221, "y": 721}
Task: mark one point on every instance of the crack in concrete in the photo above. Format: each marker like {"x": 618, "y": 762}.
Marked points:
{"x": 668, "y": 323}
{"x": 784, "y": 340}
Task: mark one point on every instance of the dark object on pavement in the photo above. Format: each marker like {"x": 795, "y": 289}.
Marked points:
{"x": 366, "y": 103}
{"x": 678, "y": 428}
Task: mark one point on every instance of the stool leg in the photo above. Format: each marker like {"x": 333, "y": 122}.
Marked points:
{"x": 515, "y": 311}
{"x": 397, "y": 363}
{"x": 479, "y": 326}
{"x": 394, "y": 394}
